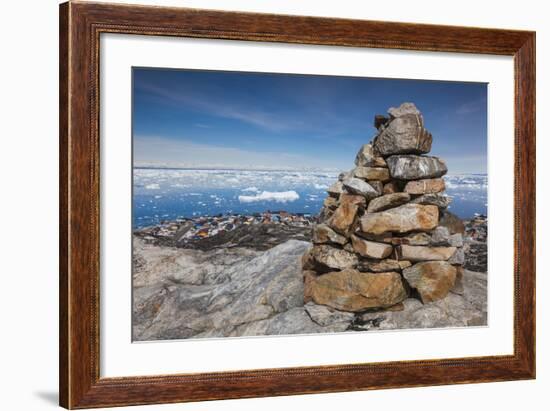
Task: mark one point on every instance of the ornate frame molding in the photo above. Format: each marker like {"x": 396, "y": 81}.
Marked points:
{"x": 80, "y": 27}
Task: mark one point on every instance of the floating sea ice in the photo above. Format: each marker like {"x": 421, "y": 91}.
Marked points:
{"x": 279, "y": 197}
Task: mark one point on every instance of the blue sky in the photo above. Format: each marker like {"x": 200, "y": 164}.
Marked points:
{"x": 249, "y": 120}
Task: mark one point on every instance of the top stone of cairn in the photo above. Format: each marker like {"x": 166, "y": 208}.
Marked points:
{"x": 403, "y": 109}
{"x": 402, "y": 132}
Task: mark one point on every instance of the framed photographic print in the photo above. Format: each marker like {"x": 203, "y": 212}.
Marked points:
{"x": 354, "y": 198}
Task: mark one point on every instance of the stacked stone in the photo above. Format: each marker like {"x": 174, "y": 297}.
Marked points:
{"x": 384, "y": 233}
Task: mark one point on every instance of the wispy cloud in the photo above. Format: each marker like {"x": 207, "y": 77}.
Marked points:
{"x": 226, "y": 109}
{"x": 470, "y": 107}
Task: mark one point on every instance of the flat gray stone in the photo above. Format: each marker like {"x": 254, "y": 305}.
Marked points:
{"x": 440, "y": 200}
{"x": 325, "y": 316}
{"x": 357, "y": 186}
{"x": 387, "y": 201}
{"x": 440, "y": 236}
{"x": 413, "y": 167}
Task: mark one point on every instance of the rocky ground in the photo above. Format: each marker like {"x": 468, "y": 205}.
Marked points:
{"x": 475, "y": 244}
{"x": 226, "y": 284}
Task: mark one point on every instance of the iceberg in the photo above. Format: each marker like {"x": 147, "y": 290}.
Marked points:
{"x": 279, "y": 197}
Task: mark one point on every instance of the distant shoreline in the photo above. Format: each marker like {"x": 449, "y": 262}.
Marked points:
{"x": 311, "y": 170}
{"x": 204, "y": 168}
{"x": 275, "y": 214}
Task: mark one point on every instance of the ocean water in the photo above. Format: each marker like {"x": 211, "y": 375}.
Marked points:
{"x": 166, "y": 194}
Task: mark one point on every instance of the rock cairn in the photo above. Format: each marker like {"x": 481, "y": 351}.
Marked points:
{"x": 384, "y": 233}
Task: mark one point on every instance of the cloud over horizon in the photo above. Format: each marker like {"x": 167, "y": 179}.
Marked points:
{"x": 161, "y": 151}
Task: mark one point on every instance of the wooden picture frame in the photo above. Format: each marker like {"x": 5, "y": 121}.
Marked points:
{"x": 80, "y": 27}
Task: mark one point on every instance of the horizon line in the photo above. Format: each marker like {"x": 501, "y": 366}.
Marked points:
{"x": 231, "y": 168}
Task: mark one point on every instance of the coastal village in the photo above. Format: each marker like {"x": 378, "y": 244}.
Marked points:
{"x": 188, "y": 230}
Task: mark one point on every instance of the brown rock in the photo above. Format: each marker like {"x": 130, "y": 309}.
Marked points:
{"x": 350, "y": 290}
{"x": 336, "y": 189}
{"x": 432, "y": 279}
{"x": 412, "y": 239}
{"x": 322, "y": 233}
{"x": 372, "y": 173}
{"x": 325, "y": 214}
{"x": 396, "y": 307}
{"x": 440, "y": 200}
{"x": 379, "y": 238}
{"x": 387, "y": 201}
{"x": 309, "y": 277}
{"x": 423, "y": 253}
{"x": 458, "y": 288}
{"x": 452, "y": 222}
{"x": 404, "y": 264}
{"x": 308, "y": 263}
{"x": 370, "y": 249}
{"x": 357, "y": 186}
{"x": 346, "y": 198}
{"x": 408, "y": 217}
{"x": 328, "y": 258}
{"x": 390, "y": 188}
{"x": 377, "y": 185}
{"x": 330, "y": 202}
{"x": 367, "y": 157}
{"x": 426, "y": 186}
{"x": 379, "y": 266}
{"x": 343, "y": 218}
{"x": 348, "y": 247}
